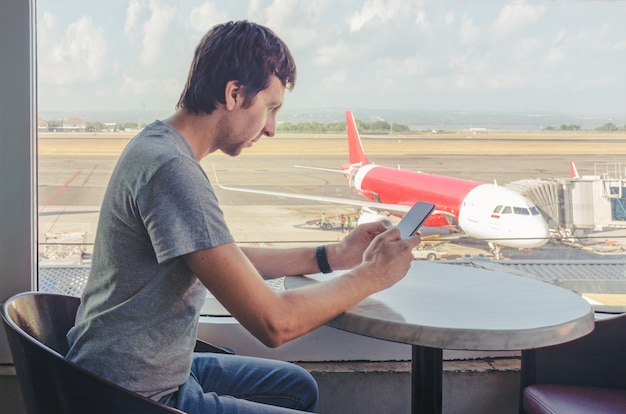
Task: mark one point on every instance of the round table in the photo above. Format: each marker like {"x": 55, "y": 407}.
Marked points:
{"x": 442, "y": 306}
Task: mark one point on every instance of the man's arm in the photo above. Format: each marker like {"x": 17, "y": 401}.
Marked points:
{"x": 275, "y": 318}
{"x": 348, "y": 253}
{"x": 272, "y": 263}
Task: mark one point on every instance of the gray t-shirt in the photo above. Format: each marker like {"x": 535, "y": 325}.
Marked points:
{"x": 138, "y": 318}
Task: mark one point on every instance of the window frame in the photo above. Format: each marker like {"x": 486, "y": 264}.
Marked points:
{"x": 18, "y": 152}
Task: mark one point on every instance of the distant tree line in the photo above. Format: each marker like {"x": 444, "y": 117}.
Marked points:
{"x": 608, "y": 127}
{"x": 563, "y": 127}
{"x": 377, "y": 127}
{"x": 55, "y": 125}
{"x": 124, "y": 126}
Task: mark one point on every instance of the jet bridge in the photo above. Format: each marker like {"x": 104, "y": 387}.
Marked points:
{"x": 590, "y": 202}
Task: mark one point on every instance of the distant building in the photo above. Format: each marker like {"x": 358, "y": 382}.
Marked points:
{"x": 110, "y": 126}
{"x": 74, "y": 124}
{"x": 42, "y": 124}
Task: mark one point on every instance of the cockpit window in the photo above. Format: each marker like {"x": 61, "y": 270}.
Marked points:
{"x": 497, "y": 209}
{"x": 521, "y": 210}
{"x": 507, "y": 210}
{"x": 534, "y": 211}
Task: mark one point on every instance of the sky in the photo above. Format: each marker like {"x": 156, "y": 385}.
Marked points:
{"x": 503, "y": 56}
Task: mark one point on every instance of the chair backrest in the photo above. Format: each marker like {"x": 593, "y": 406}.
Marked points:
{"x": 36, "y": 325}
{"x": 595, "y": 360}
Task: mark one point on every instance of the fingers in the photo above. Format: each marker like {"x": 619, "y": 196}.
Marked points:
{"x": 394, "y": 239}
{"x": 390, "y": 255}
{"x": 375, "y": 227}
{"x": 390, "y": 234}
{"x": 393, "y": 234}
{"x": 415, "y": 240}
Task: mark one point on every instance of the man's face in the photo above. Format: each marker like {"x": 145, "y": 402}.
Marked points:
{"x": 248, "y": 125}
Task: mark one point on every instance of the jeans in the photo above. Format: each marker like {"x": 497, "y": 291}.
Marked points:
{"x": 221, "y": 383}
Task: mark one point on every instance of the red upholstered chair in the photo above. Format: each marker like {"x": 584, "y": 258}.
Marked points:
{"x": 36, "y": 325}
{"x": 584, "y": 376}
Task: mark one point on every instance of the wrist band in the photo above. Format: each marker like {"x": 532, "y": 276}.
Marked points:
{"x": 322, "y": 260}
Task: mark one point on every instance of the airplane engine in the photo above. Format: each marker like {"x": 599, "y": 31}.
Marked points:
{"x": 369, "y": 216}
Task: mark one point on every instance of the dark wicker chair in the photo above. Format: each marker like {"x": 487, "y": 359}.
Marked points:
{"x": 36, "y": 325}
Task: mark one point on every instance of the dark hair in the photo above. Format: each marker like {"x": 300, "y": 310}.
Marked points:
{"x": 241, "y": 51}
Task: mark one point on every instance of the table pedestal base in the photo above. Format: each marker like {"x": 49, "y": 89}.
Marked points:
{"x": 426, "y": 378}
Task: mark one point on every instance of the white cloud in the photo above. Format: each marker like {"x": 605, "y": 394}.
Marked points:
{"x": 134, "y": 12}
{"x": 285, "y": 18}
{"x": 336, "y": 79}
{"x": 516, "y": 16}
{"x": 155, "y": 30}
{"x": 140, "y": 86}
{"x": 449, "y": 18}
{"x": 381, "y": 10}
{"x": 468, "y": 32}
{"x": 420, "y": 18}
{"x": 279, "y": 15}
{"x": 465, "y": 83}
{"x": 504, "y": 81}
{"x": 402, "y": 69}
{"x": 46, "y": 29}
{"x": 619, "y": 46}
{"x": 206, "y": 15}
{"x": 329, "y": 55}
{"x": 150, "y": 21}
{"x": 78, "y": 56}
{"x": 462, "y": 63}
{"x": 557, "y": 52}
{"x": 524, "y": 50}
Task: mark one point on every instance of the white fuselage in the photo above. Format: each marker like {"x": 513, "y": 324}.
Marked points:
{"x": 502, "y": 216}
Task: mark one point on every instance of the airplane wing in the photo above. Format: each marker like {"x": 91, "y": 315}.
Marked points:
{"x": 333, "y": 170}
{"x": 396, "y": 208}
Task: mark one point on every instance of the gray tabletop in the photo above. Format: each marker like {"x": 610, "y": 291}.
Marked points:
{"x": 455, "y": 307}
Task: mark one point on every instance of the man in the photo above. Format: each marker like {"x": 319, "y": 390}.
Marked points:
{"x": 162, "y": 240}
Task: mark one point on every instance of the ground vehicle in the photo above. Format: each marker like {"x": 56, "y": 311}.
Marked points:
{"x": 428, "y": 252}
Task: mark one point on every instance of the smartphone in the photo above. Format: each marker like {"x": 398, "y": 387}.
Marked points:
{"x": 414, "y": 218}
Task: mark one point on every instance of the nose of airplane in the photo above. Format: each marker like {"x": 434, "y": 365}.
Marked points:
{"x": 537, "y": 232}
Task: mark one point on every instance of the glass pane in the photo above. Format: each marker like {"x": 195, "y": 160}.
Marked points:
{"x": 520, "y": 210}
{"x": 522, "y": 98}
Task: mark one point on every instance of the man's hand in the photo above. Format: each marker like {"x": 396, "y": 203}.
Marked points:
{"x": 349, "y": 252}
{"x": 388, "y": 258}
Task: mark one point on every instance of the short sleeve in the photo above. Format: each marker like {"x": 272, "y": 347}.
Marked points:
{"x": 180, "y": 210}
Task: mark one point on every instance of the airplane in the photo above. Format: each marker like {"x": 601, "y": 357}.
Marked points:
{"x": 498, "y": 215}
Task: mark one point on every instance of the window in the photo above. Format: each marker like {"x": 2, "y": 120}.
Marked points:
{"x": 520, "y": 210}
{"x": 584, "y": 49}
{"x": 505, "y": 92}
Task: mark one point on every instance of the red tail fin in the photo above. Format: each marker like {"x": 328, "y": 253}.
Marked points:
{"x": 355, "y": 149}
{"x": 573, "y": 170}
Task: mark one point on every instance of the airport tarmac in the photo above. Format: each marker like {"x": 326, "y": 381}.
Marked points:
{"x": 72, "y": 180}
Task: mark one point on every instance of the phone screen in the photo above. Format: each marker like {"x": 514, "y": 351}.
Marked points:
{"x": 414, "y": 218}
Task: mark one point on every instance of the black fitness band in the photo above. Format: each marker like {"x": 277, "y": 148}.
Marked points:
{"x": 322, "y": 260}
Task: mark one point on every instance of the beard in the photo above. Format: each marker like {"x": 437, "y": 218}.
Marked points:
{"x": 233, "y": 150}
{"x": 230, "y": 139}
{"x": 226, "y": 141}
